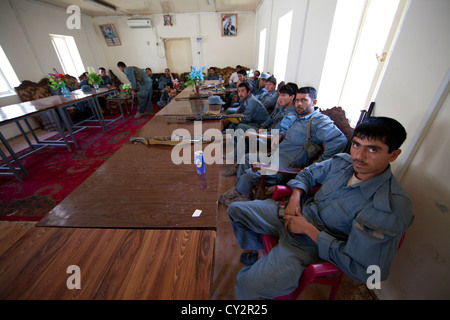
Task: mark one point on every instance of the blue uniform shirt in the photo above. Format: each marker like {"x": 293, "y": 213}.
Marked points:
{"x": 274, "y": 120}
{"x": 269, "y": 100}
{"x": 129, "y": 73}
{"x": 360, "y": 224}
{"x": 253, "y": 111}
{"x": 212, "y": 77}
{"x": 323, "y": 132}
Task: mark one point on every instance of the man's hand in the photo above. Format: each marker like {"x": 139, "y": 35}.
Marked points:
{"x": 276, "y": 140}
{"x": 292, "y": 207}
{"x": 299, "y": 225}
{"x": 294, "y": 202}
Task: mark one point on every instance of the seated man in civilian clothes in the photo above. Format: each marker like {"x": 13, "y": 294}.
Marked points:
{"x": 253, "y": 110}
{"x": 234, "y": 77}
{"x": 141, "y": 83}
{"x": 212, "y": 75}
{"x": 354, "y": 221}
{"x": 269, "y": 98}
{"x": 291, "y": 153}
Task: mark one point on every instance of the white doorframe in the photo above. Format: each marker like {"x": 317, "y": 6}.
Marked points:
{"x": 434, "y": 109}
{"x": 390, "y": 44}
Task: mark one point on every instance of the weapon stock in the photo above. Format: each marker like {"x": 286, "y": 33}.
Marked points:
{"x": 203, "y": 117}
{"x": 172, "y": 141}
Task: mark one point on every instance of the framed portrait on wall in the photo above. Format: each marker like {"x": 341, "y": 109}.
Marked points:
{"x": 110, "y": 34}
{"x": 168, "y": 20}
{"x": 229, "y": 25}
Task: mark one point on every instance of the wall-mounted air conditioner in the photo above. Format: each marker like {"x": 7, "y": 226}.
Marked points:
{"x": 139, "y": 23}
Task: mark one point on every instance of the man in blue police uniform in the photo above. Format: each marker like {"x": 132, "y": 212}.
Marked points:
{"x": 291, "y": 153}
{"x": 142, "y": 83}
{"x": 354, "y": 221}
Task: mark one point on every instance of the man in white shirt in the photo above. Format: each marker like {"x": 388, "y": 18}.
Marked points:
{"x": 234, "y": 77}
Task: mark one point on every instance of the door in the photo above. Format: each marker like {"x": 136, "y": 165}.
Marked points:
{"x": 178, "y": 54}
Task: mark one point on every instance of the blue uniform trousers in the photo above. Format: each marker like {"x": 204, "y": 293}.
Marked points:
{"x": 145, "y": 96}
{"x": 279, "y": 271}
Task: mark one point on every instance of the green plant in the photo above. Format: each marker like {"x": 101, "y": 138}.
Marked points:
{"x": 94, "y": 78}
{"x": 57, "y": 80}
{"x": 195, "y": 77}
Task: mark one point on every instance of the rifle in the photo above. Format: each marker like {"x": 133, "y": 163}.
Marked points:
{"x": 172, "y": 141}
{"x": 204, "y": 116}
{"x": 194, "y": 97}
{"x": 264, "y": 167}
{"x": 363, "y": 116}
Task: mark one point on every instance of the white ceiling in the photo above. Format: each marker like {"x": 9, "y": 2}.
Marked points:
{"x": 148, "y": 7}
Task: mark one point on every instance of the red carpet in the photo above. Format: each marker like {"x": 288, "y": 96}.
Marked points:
{"x": 55, "y": 172}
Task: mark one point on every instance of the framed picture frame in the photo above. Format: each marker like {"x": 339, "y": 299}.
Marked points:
{"x": 168, "y": 20}
{"x": 229, "y": 25}
{"x": 110, "y": 35}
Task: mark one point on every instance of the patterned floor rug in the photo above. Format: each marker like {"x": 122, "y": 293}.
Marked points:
{"x": 54, "y": 172}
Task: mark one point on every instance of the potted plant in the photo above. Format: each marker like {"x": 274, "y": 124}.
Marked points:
{"x": 57, "y": 81}
{"x": 195, "y": 78}
{"x": 94, "y": 78}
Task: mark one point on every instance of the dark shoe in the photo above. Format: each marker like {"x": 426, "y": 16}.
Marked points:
{"x": 249, "y": 258}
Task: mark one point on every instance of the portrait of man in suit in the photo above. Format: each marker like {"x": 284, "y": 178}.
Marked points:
{"x": 229, "y": 22}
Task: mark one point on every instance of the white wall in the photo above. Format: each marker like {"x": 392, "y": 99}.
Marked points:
{"x": 32, "y": 55}
{"x": 24, "y": 36}
{"x": 139, "y": 45}
{"x": 418, "y": 66}
{"x": 310, "y": 31}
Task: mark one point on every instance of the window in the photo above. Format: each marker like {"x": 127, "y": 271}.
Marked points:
{"x": 361, "y": 30}
{"x": 262, "y": 49}
{"x": 282, "y": 47}
{"x": 68, "y": 54}
{"x": 8, "y": 78}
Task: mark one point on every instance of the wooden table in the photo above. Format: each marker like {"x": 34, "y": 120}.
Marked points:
{"x": 127, "y": 100}
{"x": 129, "y": 227}
{"x": 113, "y": 264}
{"x": 140, "y": 187}
{"x": 55, "y": 106}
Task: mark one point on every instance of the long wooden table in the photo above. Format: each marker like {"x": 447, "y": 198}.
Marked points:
{"x": 55, "y": 107}
{"x": 140, "y": 186}
{"x": 113, "y": 264}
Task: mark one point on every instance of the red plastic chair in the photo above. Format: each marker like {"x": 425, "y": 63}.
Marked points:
{"x": 323, "y": 273}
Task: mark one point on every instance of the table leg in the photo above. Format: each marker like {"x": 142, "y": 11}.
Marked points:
{"x": 14, "y": 156}
{"x": 54, "y": 115}
{"x": 68, "y": 125}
